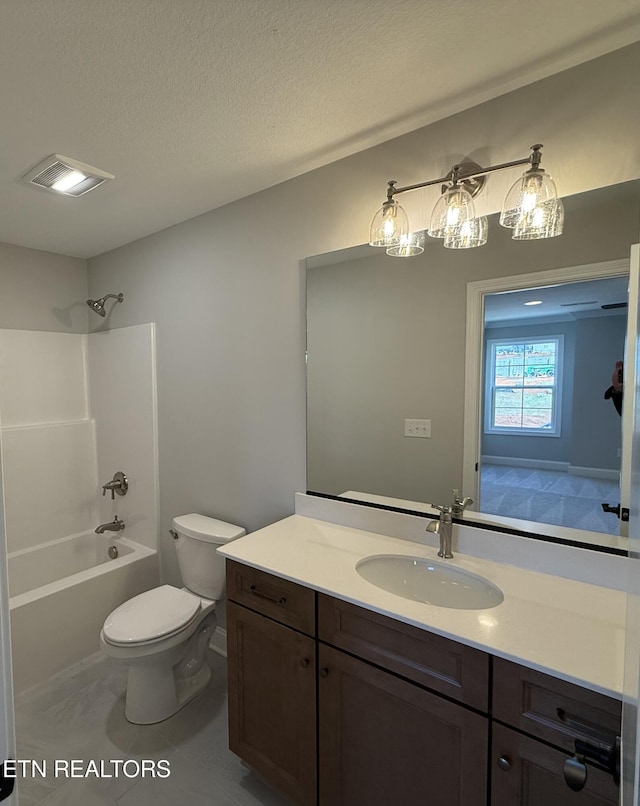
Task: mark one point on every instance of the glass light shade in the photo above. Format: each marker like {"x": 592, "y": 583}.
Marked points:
{"x": 453, "y": 209}
{"x": 471, "y": 234}
{"x": 410, "y": 245}
{"x": 534, "y": 189}
{"x": 545, "y": 221}
{"x": 390, "y": 224}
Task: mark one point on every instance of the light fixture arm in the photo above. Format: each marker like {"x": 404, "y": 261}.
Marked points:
{"x": 460, "y": 172}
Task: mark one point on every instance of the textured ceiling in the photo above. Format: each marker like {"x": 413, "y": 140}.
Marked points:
{"x": 196, "y": 103}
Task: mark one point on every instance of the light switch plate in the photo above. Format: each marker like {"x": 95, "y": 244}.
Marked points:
{"x": 417, "y": 428}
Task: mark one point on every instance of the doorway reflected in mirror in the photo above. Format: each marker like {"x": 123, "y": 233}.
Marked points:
{"x": 551, "y": 443}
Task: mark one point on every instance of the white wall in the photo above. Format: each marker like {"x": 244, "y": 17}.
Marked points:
{"x": 226, "y": 289}
{"x": 123, "y": 403}
{"x": 48, "y": 438}
{"x": 74, "y": 408}
{"x": 42, "y": 292}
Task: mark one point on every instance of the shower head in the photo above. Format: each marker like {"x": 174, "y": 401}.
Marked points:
{"x": 97, "y": 305}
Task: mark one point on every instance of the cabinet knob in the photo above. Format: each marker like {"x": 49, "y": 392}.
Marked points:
{"x": 304, "y": 662}
{"x": 324, "y": 672}
{"x": 504, "y": 762}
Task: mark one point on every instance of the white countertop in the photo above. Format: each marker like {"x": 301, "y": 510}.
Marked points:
{"x": 572, "y": 630}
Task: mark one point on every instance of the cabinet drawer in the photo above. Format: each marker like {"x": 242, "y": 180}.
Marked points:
{"x": 551, "y": 709}
{"x": 438, "y": 663}
{"x": 530, "y": 773}
{"x": 279, "y": 599}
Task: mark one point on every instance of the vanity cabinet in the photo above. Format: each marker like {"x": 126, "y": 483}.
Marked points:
{"x": 383, "y": 740}
{"x": 525, "y": 768}
{"x": 339, "y": 706}
{"x": 528, "y": 772}
{"x": 272, "y": 679}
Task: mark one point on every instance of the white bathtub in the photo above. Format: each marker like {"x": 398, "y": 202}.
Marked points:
{"x": 61, "y": 592}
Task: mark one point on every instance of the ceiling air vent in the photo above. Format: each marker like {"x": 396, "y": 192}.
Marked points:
{"x": 65, "y": 175}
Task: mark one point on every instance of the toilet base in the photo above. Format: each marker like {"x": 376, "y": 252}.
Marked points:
{"x": 154, "y": 695}
{"x": 160, "y": 684}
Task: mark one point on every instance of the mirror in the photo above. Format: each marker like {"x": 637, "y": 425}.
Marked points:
{"x": 386, "y": 344}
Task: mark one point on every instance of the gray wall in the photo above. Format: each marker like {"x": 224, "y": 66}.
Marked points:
{"x": 596, "y": 424}
{"x": 226, "y": 289}
{"x": 42, "y": 291}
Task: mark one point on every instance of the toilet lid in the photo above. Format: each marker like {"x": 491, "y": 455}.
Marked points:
{"x": 154, "y": 614}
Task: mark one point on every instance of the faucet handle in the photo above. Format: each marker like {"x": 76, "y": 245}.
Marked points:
{"x": 459, "y": 504}
{"x": 118, "y": 484}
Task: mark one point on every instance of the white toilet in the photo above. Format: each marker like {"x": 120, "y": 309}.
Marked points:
{"x": 162, "y": 635}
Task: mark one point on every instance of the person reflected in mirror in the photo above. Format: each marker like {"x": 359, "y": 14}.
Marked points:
{"x": 616, "y": 390}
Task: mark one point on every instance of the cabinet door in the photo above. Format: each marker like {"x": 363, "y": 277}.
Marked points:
{"x": 385, "y": 741}
{"x": 272, "y": 701}
{"x": 526, "y": 772}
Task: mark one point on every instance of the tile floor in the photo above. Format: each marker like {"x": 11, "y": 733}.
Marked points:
{"x": 79, "y": 714}
{"x": 547, "y": 496}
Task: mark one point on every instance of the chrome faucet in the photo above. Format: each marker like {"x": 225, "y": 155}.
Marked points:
{"x": 113, "y": 526}
{"x": 443, "y": 529}
{"x": 459, "y": 504}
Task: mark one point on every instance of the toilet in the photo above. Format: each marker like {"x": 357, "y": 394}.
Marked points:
{"x": 162, "y": 635}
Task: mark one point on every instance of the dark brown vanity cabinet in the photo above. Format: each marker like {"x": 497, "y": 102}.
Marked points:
{"x": 338, "y": 706}
{"x": 272, "y": 679}
{"x": 528, "y": 772}
{"x": 384, "y": 741}
{"x": 559, "y": 719}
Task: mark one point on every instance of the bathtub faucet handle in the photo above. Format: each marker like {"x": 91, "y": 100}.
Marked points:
{"x": 118, "y": 484}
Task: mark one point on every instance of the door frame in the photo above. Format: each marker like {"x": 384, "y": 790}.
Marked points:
{"x": 7, "y": 718}
{"x": 475, "y": 346}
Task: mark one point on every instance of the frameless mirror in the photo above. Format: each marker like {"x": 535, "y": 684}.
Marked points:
{"x": 386, "y": 370}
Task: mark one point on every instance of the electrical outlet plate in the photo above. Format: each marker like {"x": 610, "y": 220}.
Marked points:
{"x": 417, "y": 428}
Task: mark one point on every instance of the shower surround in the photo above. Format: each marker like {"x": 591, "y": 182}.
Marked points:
{"x": 74, "y": 409}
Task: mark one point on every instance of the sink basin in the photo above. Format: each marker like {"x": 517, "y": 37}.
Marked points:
{"x": 430, "y": 582}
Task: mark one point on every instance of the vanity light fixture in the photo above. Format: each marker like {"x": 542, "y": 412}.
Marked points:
{"x": 531, "y": 208}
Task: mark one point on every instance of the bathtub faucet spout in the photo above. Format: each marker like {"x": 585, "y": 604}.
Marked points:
{"x": 114, "y": 526}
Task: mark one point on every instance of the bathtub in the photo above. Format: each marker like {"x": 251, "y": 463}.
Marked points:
{"x": 60, "y": 593}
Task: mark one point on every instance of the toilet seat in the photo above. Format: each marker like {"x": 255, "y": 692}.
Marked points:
{"x": 151, "y": 616}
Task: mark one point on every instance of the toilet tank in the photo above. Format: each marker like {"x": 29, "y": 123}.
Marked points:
{"x": 197, "y": 537}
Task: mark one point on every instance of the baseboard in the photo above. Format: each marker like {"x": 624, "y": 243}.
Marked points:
{"x": 560, "y": 467}
{"x": 595, "y": 472}
{"x": 218, "y": 642}
{"x": 533, "y": 464}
